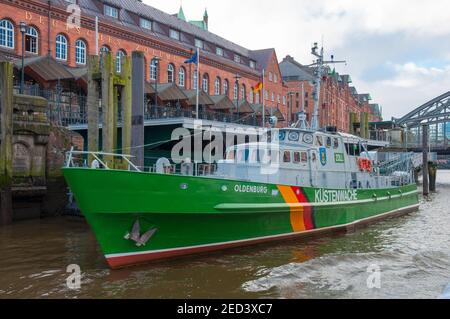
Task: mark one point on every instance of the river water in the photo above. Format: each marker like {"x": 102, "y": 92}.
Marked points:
{"x": 412, "y": 254}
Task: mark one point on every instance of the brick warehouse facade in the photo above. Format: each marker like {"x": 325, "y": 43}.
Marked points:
{"x": 125, "y": 26}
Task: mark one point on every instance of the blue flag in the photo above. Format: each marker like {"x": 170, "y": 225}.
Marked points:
{"x": 193, "y": 59}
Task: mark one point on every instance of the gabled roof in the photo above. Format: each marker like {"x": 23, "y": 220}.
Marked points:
{"x": 262, "y": 57}
{"x": 292, "y": 70}
{"x": 244, "y": 107}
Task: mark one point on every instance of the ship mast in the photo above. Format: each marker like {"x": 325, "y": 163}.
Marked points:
{"x": 319, "y": 72}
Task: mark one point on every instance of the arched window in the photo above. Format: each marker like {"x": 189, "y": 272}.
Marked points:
{"x": 217, "y": 86}
{"x": 195, "y": 80}
{"x": 225, "y": 87}
{"x": 257, "y": 100}
{"x": 104, "y": 49}
{"x": 6, "y": 34}
{"x": 31, "y": 40}
{"x": 235, "y": 91}
{"x": 153, "y": 70}
{"x": 182, "y": 77}
{"x": 120, "y": 54}
{"x": 243, "y": 93}
{"x": 250, "y": 94}
{"x": 80, "y": 52}
{"x": 170, "y": 73}
{"x": 205, "y": 83}
{"x": 61, "y": 47}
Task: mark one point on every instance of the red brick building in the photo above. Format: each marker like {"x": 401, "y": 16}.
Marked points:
{"x": 125, "y": 26}
{"x": 337, "y": 98}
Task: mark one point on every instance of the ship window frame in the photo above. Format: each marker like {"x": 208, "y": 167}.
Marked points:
{"x": 328, "y": 142}
{"x": 336, "y": 143}
{"x": 287, "y": 159}
{"x": 297, "y": 158}
{"x": 304, "y": 157}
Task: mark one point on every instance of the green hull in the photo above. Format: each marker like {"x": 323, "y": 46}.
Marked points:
{"x": 192, "y": 214}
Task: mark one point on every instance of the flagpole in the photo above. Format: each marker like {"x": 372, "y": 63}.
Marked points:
{"x": 198, "y": 82}
{"x": 263, "y": 101}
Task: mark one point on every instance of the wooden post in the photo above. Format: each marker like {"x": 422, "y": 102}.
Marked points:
{"x": 6, "y": 135}
{"x": 92, "y": 106}
{"x": 425, "y": 159}
{"x": 137, "y": 116}
{"x": 108, "y": 107}
{"x": 126, "y": 105}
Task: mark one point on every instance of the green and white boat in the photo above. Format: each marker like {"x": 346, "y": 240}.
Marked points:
{"x": 322, "y": 182}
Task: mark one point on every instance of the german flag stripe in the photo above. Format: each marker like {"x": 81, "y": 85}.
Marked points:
{"x": 301, "y": 216}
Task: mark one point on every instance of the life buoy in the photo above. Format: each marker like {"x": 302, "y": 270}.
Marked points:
{"x": 365, "y": 165}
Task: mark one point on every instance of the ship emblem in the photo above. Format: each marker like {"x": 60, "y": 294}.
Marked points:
{"x": 135, "y": 235}
{"x": 323, "y": 156}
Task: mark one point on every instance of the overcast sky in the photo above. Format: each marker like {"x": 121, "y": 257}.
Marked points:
{"x": 397, "y": 50}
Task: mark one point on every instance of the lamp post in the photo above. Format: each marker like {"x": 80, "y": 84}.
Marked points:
{"x": 237, "y": 77}
{"x": 156, "y": 59}
{"x": 23, "y": 28}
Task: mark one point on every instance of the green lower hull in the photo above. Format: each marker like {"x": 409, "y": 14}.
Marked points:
{"x": 191, "y": 214}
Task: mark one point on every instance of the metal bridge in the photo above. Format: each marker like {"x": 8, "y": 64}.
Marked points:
{"x": 435, "y": 114}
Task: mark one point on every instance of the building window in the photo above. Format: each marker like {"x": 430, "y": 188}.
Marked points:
{"x": 120, "y": 54}
{"x": 111, "y": 12}
{"x": 80, "y": 52}
{"x": 225, "y": 87}
{"x": 182, "y": 77}
{"x": 284, "y": 100}
{"x": 199, "y": 43}
{"x": 6, "y": 34}
{"x": 104, "y": 49}
{"x": 235, "y": 91}
{"x": 61, "y": 47}
{"x": 273, "y": 97}
{"x": 278, "y": 99}
{"x": 205, "y": 83}
{"x": 31, "y": 40}
{"x": 270, "y": 76}
{"x": 275, "y": 78}
{"x": 146, "y": 24}
{"x": 174, "y": 34}
{"x": 170, "y": 73}
{"x": 219, "y": 51}
{"x": 195, "y": 80}
{"x": 217, "y": 86}
{"x": 257, "y": 97}
{"x": 251, "y": 96}
{"x": 153, "y": 70}
{"x": 243, "y": 93}
{"x": 252, "y": 64}
{"x": 267, "y": 95}
{"x": 237, "y": 58}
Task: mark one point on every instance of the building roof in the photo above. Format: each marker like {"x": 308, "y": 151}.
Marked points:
{"x": 127, "y": 8}
{"x": 262, "y": 57}
{"x": 46, "y": 68}
{"x": 203, "y": 98}
{"x": 244, "y": 107}
{"x": 221, "y": 102}
{"x": 292, "y": 70}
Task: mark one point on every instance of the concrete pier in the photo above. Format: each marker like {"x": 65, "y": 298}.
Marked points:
{"x": 6, "y": 137}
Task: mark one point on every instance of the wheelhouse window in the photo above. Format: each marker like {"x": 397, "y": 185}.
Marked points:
{"x": 297, "y": 158}
{"x": 61, "y": 47}
{"x": 146, "y": 24}
{"x": 287, "y": 156}
{"x": 6, "y": 34}
{"x": 80, "y": 52}
{"x": 111, "y": 11}
{"x": 174, "y": 34}
{"x": 304, "y": 157}
{"x": 31, "y": 40}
